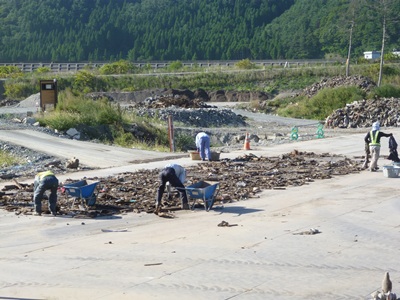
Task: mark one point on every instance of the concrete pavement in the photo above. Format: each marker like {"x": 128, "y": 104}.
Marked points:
{"x": 143, "y": 256}
{"x": 90, "y": 154}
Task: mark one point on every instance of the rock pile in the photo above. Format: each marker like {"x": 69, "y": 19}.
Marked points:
{"x": 361, "y": 82}
{"x": 363, "y": 113}
{"x": 176, "y": 98}
{"x": 202, "y": 117}
{"x": 386, "y": 291}
{"x": 199, "y": 94}
{"x": 164, "y": 102}
{"x": 30, "y": 162}
{"x": 240, "y": 179}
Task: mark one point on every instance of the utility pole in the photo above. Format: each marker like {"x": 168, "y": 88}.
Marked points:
{"x": 349, "y": 52}
{"x": 382, "y": 51}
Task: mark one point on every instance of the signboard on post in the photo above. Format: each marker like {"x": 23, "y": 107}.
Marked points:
{"x": 48, "y": 94}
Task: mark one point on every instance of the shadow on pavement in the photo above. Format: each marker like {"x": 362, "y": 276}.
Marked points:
{"x": 239, "y": 210}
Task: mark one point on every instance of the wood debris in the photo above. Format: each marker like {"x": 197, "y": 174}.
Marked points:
{"x": 240, "y": 179}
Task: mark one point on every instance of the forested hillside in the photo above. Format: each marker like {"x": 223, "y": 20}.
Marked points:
{"x": 149, "y": 30}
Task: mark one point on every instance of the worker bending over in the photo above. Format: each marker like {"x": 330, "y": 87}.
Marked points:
{"x": 176, "y": 175}
{"x": 45, "y": 181}
{"x": 203, "y": 146}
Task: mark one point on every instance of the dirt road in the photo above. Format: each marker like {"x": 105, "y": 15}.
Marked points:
{"x": 90, "y": 154}
{"x": 266, "y": 252}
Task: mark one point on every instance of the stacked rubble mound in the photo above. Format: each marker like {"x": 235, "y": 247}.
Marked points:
{"x": 187, "y": 107}
{"x": 361, "y": 82}
{"x": 202, "y": 117}
{"x": 8, "y": 102}
{"x": 164, "y": 102}
{"x": 360, "y": 114}
{"x": 176, "y": 98}
{"x": 240, "y": 179}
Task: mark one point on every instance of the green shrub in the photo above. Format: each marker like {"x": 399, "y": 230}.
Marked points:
{"x": 86, "y": 82}
{"x": 10, "y": 72}
{"x": 122, "y": 138}
{"x": 119, "y": 67}
{"x": 362, "y": 60}
{"x": 323, "y": 103}
{"x": 390, "y": 57}
{"x": 42, "y": 70}
{"x": 386, "y": 91}
{"x": 60, "y": 121}
{"x": 175, "y": 66}
{"x": 72, "y": 110}
{"x": 183, "y": 142}
{"x": 19, "y": 90}
{"x": 245, "y": 64}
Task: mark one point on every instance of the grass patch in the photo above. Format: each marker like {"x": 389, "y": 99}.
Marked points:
{"x": 74, "y": 110}
{"x": 322, "y": 104}
{"x": 127, "y": 129}
{"x": 386, "y": 91}
{"x": 8, "y": 160}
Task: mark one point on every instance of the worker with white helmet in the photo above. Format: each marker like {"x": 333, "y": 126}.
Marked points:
{"x": 373, "y": 139}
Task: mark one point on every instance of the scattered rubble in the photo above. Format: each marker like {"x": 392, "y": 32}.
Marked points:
{"x": 386, "y": 291}
{"x": 31, "y": 162}
{"x": 361, "y": 82}
{"x": 363, "y": 113}
{"x": 240, "y": 179}
{"x": 201, "y": 117}
{"x": 72, "y": 163}
{"x": 146, "y": 96}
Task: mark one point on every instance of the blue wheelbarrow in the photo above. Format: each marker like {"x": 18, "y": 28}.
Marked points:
{"x": 82, "y": 190}
{"x": 204, "y": 191}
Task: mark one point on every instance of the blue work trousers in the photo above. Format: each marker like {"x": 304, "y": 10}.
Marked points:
{"x": 204, "y": 149}
{"x": 40, "y": 187}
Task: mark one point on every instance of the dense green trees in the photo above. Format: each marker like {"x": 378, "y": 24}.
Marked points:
{"x": 144, "y": 30}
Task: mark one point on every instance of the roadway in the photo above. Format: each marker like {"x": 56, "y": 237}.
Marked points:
{"x": 264, "y": 256}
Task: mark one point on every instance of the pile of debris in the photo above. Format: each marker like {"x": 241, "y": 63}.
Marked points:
{"x": 29, "y": 163}
{"x": 363, "y": 113}
{"x": 202, "y": 117}
{"x": 8, "y": 102}
{"x": 186, "y": 107}
{"x": 164, "y": 102}
{"x": 145, "y": 97}
{"x": 361, "y": 82}
{"x": 240, "y": 179}
{"x": 386, "y": 291}
{"x": 176, "y": 98}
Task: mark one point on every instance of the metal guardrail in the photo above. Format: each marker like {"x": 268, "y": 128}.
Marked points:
{"x": 74, "y": 67}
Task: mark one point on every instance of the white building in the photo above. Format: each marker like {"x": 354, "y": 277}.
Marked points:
{"x": 372, "y": 54}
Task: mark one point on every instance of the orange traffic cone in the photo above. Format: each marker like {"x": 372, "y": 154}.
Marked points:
{"x": 246, "y": 142}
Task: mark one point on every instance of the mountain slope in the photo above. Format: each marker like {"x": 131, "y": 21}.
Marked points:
{"x": 103, "y": 30}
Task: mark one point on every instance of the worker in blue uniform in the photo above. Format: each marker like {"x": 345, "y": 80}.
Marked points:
{"x": 203, "y": 145}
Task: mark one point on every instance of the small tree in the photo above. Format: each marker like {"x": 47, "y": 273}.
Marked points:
{"x": 175, "y": 65}
{"x": 119, "y": 67}
{"x": 245, "y": 64}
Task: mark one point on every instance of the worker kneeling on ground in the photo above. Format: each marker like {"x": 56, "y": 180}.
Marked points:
{"x": 45, "y": 181}
{"x": 176, "y": 176}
